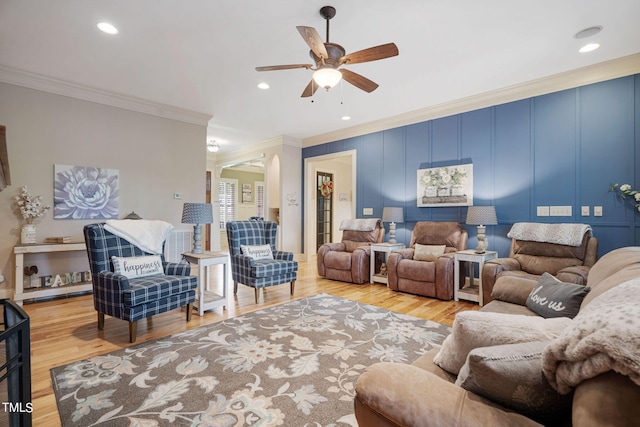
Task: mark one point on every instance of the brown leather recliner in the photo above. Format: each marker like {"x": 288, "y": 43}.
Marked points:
{"x": 348, "y": 261}
{"x": 528, "y": 260}
{"x": 428, "y": 278}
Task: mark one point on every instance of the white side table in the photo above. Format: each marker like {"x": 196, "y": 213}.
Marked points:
{"x": 207, "y": 300}
{"x": 386, "y": 248}
{"x": 471, "y": 292}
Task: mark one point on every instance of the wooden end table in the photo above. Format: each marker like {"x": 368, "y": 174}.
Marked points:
{"x": 471, "y": 292}
{"x": 207, "y": 300}
{"x": 386, "y": 248}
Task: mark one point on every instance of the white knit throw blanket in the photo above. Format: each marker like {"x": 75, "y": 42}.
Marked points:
{"x": 359, "y": 224}
{"x": 604, "y": 336}
{"x": 147, "y": 234}
{"x": 561, "y": 234}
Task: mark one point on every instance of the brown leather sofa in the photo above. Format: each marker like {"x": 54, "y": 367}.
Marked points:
{"x": 528, "y": 260}
{"x": 432, "y": 279}
{"x": 348, "y": 261}
{"x": 423, "y": 394}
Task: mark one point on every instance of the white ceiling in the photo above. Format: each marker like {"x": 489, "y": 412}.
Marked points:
{"x": 200, "y": 55}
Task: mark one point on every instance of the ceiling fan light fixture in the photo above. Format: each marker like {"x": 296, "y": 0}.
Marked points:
{"x": 327, "y": 77}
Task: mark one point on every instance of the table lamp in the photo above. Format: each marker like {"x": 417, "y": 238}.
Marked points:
{"x": 198, "y": 214}
{"x": 392, "y": 215}
{"x": 481, "y": 216}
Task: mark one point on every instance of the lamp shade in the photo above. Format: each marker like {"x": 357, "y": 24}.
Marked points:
{"x": 392, "y": 215}
{"x": 197, "y": 213}
{"x": 482, "y": 215}
{"x": 327, "y": 77}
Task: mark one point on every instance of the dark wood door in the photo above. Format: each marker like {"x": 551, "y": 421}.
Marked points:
{"x": 324, "y": 208}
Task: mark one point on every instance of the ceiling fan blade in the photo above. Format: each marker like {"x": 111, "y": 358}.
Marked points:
{"x": 359, "y": 81}
{"x": 311, "y": 88}
{"x": 283, "y": 67}
{"x": 372, "y": 54}
{"x": 312, "y": 38}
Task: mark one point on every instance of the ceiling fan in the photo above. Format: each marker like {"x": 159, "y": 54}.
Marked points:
{"x": 328, "y": 57}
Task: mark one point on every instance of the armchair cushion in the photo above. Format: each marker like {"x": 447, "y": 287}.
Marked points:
{"x": 553, "y": 298}
{"x": 512, "y": 376}
{"x": 474, "y": 329}
{"x": 139, "y": 266}
{"x": 428, "y": 252}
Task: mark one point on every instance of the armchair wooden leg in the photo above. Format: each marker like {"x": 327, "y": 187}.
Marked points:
{"x": 100, "y": 321}
{"x": 189, "y": 311}
{"x": 257, "y": 292}
{"x": 293, "y": 285}
{"x": 133, "y": 331}
{"x": 235, "y": 287}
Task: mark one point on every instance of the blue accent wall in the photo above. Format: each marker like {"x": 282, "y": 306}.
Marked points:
{"x": 560, "y": 149}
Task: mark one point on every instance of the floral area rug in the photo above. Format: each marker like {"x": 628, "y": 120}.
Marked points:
{"x": 290, "y": 365}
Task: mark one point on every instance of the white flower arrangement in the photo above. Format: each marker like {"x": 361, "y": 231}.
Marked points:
{"x": 30, "y": 207}
{"x": 625, "y": 191}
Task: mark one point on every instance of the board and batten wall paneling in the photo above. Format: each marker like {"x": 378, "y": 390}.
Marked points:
{"x": 559, "y": 149}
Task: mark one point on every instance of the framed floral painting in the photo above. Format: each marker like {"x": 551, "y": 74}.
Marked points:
{"x": 445, "y": 186}
{"x": 84, "y": 192}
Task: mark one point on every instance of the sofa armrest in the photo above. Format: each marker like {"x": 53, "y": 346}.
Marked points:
{"x": 445, "y": 272}
{"x": 360, "y": 263}
{"x": 325, "y": 249}
{"x": 576, "y": 274}
{"x": 396, "y": 394}
{"x": 490, "y": 272}
{"x": 177, "y": 268}
{"x": 111, "y": 282}
{"x": 393, "y": 260}
{"x": 283, "y": 255}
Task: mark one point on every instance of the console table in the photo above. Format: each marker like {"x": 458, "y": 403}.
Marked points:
{"x": 207, "y": 300}
{"x": 20, "y": 251}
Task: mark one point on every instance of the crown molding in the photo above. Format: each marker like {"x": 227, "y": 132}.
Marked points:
{"x": 603, "y": 71}
{"x": 59, "y": 87}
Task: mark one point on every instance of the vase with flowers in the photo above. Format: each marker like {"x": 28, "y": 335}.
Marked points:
{"x": 625, "y": 191}
{"x": 31, "y": 209}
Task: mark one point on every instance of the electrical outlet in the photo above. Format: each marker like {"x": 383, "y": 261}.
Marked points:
{"x": 543, "y": 211}
{"x": 560, "y": 211}
{"x": 585, "y": 211}
{"x": 367, "y": 211}
{"x": 597, "y": 211}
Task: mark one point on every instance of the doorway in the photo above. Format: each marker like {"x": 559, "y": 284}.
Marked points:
{"x": 324, "y": 208}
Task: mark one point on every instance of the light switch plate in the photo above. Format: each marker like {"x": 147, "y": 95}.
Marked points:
{"x": 585, "y": 210}
{"x": 597, "y": 211}
{"x": 367, "y": 211}
{"x": 560, "y": 211}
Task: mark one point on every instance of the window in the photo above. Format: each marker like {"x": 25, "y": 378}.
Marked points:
{"x": 227, "y": 195}
{"x": 259, "y": 199}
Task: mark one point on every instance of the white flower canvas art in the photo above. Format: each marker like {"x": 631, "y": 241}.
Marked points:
{"x": 445, "y": 186}
{"x": 85, "y": 192}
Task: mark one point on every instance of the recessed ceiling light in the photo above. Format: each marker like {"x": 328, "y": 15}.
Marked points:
{"x": 107, "y": 28}
{"x": 588, "y": 32}
{"x": 345, "y": 118}
{"x": 263, "y": 85}
{"x": 590, "y": 47}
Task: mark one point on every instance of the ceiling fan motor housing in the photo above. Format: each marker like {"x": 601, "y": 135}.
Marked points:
{"x": 335, "y": 52}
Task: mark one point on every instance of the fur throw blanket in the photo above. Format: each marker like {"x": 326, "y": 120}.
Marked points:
{"x": 360, "y": 224}
{"x": 560, "y": 234}
{"x": 604, "y": 336}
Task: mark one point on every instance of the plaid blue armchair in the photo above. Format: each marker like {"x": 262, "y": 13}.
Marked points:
{"x": 258, "y": 273}
{"x": 136, "y": 298}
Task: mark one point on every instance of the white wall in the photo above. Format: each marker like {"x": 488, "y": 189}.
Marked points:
{"x": 156, "y": 157}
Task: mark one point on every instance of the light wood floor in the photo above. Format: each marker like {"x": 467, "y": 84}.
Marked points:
{"x": 65, "y": 330}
